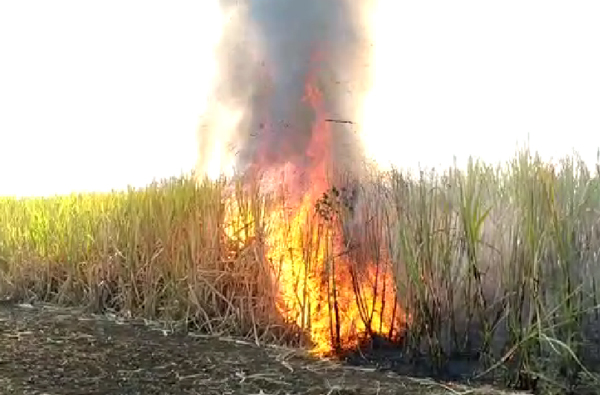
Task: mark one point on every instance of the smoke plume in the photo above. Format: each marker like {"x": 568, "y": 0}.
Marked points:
{"x": 257, "y": 115}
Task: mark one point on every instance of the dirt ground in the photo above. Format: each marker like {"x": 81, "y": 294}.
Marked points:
{"x": 51, "y": 350}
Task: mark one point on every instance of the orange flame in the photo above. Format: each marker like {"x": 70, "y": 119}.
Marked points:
{"x": 320, "y": 289}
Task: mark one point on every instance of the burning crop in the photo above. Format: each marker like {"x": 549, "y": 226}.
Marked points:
{"x": 300, "y": 244}
{"x": 327, "y": 295}
{"x": 320, "y": 289}
{"x": 497, "y": 263}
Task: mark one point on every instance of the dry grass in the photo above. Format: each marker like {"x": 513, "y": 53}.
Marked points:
{"x": 496, "y": 263}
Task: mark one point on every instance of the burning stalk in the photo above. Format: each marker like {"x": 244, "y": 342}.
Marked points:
{"x": 336, "y": 337}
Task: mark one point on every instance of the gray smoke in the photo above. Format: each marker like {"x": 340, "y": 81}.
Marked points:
{"x": 265, "y": 56}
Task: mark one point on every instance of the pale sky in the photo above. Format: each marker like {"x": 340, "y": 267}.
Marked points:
{"x": 473, "y": 77}
{"x": 98, "y": 94}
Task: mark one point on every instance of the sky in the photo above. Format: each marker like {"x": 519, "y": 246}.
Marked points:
{"x": 95, "y": 95}
{"x": 475, "y": 77}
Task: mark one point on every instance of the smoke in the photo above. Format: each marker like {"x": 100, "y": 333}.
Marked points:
{"x": 257, "y": 115}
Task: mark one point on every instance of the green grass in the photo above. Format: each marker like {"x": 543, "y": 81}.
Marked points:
{"x": 503, "y": 261}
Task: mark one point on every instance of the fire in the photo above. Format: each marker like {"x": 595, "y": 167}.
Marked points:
{"x": 322, "y": 289}
{"x": 322, "y": 293}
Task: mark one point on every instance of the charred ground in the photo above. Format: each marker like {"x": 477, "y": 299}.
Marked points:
{"x": 50, "y": 350}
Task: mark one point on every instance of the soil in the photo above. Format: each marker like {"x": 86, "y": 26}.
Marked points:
{"x": 50, "y": 350}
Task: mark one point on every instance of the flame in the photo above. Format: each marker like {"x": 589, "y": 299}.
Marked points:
{"x": 326, "y": 296}
{"x": 321, "y": 290}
